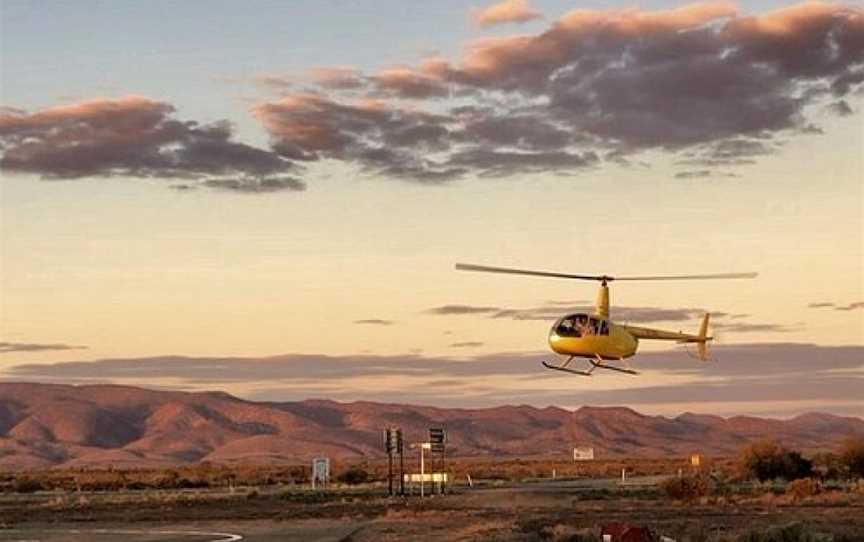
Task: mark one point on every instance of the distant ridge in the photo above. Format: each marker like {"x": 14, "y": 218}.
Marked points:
{"x": 50, "y": 425}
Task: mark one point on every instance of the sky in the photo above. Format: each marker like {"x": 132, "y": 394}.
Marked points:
{"x": 229, "y": 196}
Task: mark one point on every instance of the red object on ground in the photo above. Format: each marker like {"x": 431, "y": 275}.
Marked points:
{"x": 623, "y": 532}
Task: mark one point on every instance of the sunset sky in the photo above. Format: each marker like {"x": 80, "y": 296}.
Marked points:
{"x": 277, "y": 192}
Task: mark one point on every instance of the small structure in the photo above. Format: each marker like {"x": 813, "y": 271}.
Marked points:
{"x": 695, "y": 460}
{"x": 583, "y": 454}
{"x": 320, "y": 472}
{"x": 623, "y": 532}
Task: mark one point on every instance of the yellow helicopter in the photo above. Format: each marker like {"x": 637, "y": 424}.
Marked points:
{"x": 595, "y": 337}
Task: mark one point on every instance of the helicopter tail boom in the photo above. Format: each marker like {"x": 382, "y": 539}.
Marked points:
{"x": 701, "y": 339}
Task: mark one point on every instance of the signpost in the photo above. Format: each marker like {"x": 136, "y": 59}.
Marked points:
{"x": 437, "y": 444}
{"x": 583, "y": 453}
{"x": 393, "y": 445}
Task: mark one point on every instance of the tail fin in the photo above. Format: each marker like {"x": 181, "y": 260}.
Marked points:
{"x": 702, "y": 345}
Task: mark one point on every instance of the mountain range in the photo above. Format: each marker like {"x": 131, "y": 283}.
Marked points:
{"x": 51, "y": 425}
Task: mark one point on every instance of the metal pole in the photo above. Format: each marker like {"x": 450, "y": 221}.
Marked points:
{"x": 401, "y": 472}
{"x": 390, "y": 473}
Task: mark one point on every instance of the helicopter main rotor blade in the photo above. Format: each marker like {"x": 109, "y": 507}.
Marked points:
{"x": 693, "y": 277}
{"x": 510, "y": 271}
{"x": 603, "y": 278}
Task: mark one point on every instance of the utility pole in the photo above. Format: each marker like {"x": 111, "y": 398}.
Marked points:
{"x": 423, "y": 446}
{"x": 393, "y": 445}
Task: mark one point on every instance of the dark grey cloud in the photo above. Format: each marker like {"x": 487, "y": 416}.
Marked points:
{"x": 384, "y": 140}
{"x": 136, "y": 137}
{"x": 495, "y": 163}
{"x": 375, "y": 322}
{"x": 841, "y": 108}
{"x": 850, "y": 306}
{"x": 731, "y": 152}
{"x": 820, "y": 305}
{"x": 745, "y": 373}
{"x": 6, "y": 347}
{"x": 249, "y": 185}
{"x": 711, "y": 86}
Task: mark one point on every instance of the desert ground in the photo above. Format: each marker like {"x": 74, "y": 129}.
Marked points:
{"x": 556, "y": 510}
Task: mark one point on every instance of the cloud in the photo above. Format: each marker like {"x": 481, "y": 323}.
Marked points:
{"x": 841, "y": 108}
{"x": 754, "y": 328}
{"x": 137, "y": 137}
{"x": 407, "y": 83}
{"x": 6, "y": 347}
{"x": 382, "y": 139}
{"x": 508, "y": 11}
{"x": 462, "y": 309}
{"x": 702, "y": 174}
{"x": 467, "y": 344}
{"x": 836, "y": 307}
{"x": 708, "y": 85}
{"x": 249, "y": 185}
{"x": 337, "y": 77}
{"x": 375, "y": 322}
{"x": 744, "y": 375}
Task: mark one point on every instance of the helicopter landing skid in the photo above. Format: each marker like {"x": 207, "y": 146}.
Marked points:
{"x": 565, "y": 369}
{"x": 598, "y": 364}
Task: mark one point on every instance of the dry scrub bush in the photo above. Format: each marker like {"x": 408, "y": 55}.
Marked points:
{"x": 803, "y": 488}
{"x": 767, "y": 460}
{"x": 27, "y": 485}
{"x": 354, "y": 475}
{"x": 852, "y": 457}
{"x": 688, "y": 488}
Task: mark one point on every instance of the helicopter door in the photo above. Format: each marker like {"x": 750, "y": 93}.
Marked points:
{"x": 598, "y": 326}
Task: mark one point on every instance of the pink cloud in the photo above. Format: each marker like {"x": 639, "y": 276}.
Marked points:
{"x": 508, "y": 11}
{"x": 134, "y": 136}
{"x": 702, "y": 82}
{"x": 408, "y": 83}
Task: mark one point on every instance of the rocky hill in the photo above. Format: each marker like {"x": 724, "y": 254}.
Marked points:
{"x": 46, "y": 425}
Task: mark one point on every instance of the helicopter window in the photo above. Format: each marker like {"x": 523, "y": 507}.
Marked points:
{"x": 567, "y": 328}
{"x": 599, "y": 327}
{"x": 573, "y": 326}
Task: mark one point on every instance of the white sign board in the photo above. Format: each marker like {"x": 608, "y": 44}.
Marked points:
{"x": 427, "y": 477}
{"x": 320, "y": 471}
{"x": 583, "y": 454}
